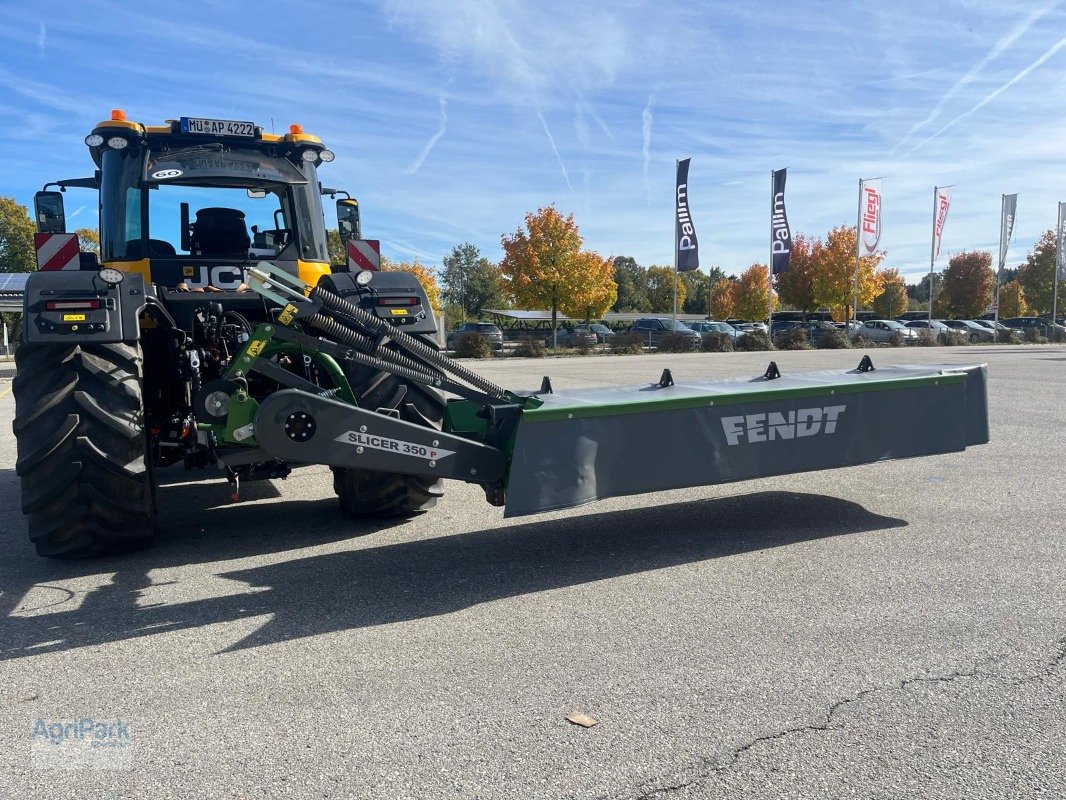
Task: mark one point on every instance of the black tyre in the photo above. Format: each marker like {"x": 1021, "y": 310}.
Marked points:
{"x": 367, "y": 493}
{"x": 87, "y": 486}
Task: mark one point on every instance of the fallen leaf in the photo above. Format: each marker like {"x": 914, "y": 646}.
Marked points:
{"x": 582, "y": 719}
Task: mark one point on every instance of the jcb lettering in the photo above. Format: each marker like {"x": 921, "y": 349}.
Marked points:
{"x": 221, "y": 277}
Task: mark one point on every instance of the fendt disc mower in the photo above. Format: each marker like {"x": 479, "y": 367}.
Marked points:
{"x": 206, "y": 342}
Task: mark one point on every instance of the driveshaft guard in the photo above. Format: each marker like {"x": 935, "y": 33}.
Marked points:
{"x": 587, "y": 445}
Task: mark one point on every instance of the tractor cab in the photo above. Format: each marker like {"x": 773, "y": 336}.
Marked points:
{"x": 193, "y": 203}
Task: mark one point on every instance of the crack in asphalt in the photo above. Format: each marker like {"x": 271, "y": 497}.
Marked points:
{"x": 716, "y": 766}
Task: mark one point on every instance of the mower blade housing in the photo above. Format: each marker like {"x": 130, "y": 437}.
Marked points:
{"x": 585, "y": 445}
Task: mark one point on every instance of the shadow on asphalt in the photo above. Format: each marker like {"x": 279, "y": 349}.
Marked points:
{"x": 318, "y": 594}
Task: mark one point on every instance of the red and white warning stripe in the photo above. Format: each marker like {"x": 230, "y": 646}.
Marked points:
{"x": 57, "y": 251}
{"x": 364, "y": 254}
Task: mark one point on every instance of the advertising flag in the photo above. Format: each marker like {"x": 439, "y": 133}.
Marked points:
{"x": 780, "y": 235}
{"x": 1060, "y": 242}
{"x": 940, "y": 216}
{"x": 686, "y": 248}
{"x": 870, "y": 217}
{"x": 1006, "y": 226}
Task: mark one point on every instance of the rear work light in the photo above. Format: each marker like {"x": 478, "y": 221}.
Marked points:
{"x": 72, "y": 305}
{"x": 398, "y": 301}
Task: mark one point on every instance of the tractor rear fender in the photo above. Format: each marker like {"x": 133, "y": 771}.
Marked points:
{"x": 67, "y": 307}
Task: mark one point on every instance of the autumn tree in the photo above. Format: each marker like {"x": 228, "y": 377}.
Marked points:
{"x": 795, "y": 286}
{"x": 595, "y": 274}
{"x": 750, "y": 293}
{"x": 892, "y": 301}
{"x": 722, "y": 302}
{"x": 1037, "y": 274}
{"x": 1012, "y": 300}
{"x": 632, "y": 280}
{"x": 89, "y": 240}
{"x": 425, "y": 276}
{"x": 338, "y": 254}
{"x": 834, "y": 278}
{"x": 969, "y": 284}
{"x": 661, "y": 281}
{"x": 470, "y": 281}
{"x": 543, "y": 266}
{"x": 17, "y": 253}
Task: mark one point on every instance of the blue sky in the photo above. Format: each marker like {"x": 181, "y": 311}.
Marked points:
{"x": 450, "y": 120}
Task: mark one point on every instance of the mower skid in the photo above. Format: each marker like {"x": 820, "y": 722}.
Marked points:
{"x": 587, "y": 445}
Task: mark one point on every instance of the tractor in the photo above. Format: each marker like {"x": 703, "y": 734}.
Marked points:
{"x": 210, "y": 332}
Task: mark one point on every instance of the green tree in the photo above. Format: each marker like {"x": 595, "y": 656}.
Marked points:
{"x": 632, "y": 280}
{"x": 16, "y": 237}
{"x": 661, "y": 291}
{"x": 969, "y": 284}
{"x": 470, "y": 281}
{"x": 920, "y": 290}
{"x": 338, "y": 255}
{"x": 698, "y": 287}
{"x": 1037, "y": 274}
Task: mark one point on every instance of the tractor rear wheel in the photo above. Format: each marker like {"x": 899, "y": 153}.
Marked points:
{"x": 87, "y": 485}
{"x": 367, "y": 493}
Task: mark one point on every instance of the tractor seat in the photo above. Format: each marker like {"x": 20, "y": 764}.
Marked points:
{"x": 220, "y": 233}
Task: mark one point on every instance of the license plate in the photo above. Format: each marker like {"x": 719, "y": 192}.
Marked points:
{"x": 217, "y": 127}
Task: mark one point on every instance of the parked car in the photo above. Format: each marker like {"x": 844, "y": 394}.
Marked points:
{"x": 577, "y": 336}
{"x": 882, "y": 330}
{"x": 494, "y": 334}
{"x": 1039, "y": 324}
{"x": 712, "y": 326}
{"x": 651, "y": 330}
{"x": 991, "y": 325}
{"x": 976, "y": 332}
{"x": 815, "y": 329}
{"x": 936, "y": 327}
{"x": 603, "y": 333}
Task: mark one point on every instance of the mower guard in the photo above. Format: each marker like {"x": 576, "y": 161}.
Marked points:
{"x": 586, "y": 445}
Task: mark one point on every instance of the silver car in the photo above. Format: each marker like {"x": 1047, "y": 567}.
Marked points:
{"x": 883, "y": 330}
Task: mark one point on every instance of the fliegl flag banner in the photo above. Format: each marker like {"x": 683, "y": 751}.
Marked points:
{"x": 1006, "y": 226}
{"x": 686, "y": 248}
{"x": 940, "y": 216}
{"x": 870, "y": 217}
{"x": 780, "y": 235}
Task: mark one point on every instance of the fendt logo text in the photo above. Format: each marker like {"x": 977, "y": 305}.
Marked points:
{"x": 753, "y": 428}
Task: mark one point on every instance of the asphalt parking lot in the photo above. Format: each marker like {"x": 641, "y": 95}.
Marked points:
{"x": 895, "y": 630}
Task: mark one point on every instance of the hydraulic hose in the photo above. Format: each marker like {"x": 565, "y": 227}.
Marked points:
{"x": 420, "y": 348}
{"x": 393, "y": 362}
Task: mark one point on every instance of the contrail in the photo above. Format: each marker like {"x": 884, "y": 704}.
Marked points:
{"x": 1020, "y": 76}
{"x": 1007, "y": 41}
{"x": 555, "y": 149}
{"x": 645, "y": 150}
{"x": 442, "y": 126}
{"x": 42, "y": 37}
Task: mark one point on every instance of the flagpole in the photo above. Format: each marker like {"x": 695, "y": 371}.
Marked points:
{"x": 1060, "y": 262}
{"x": 932, "y": 256}
{"x": 858, "y": 249}
{"x": 999, "y": 267}
{"x": 677, "y": 163}
{"x": 770, "y": 268}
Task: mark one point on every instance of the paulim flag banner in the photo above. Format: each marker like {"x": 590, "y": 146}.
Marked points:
{"x": 870, "y": 217}
{"x": 780, "y": 235}
{"x": 686, "y": 248}
{"x": 1006, "y": 226}
{"x": 940, "y": 216}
